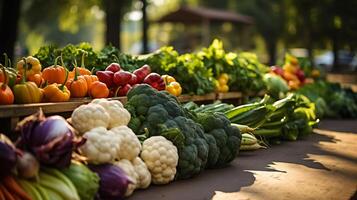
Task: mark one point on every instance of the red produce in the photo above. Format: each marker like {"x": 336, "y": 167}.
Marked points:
{"x": 122, "y": 78}
{"x": 133, "y": 80}
{"x": 277, "y": 70}
{"x": 106, "y": 77}
{"x": 156, "y": 81}
{"x": 142, "y": 72}
{"x": 120, "y": 91}
{"x": 114, "y": 67}
{"x": 301, "y": 75}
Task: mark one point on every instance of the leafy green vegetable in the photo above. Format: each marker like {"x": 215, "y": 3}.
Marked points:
{"x": 275, "y": 85}
{"x": 85, "y": 181}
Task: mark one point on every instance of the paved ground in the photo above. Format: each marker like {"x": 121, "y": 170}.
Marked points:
{"x": 324, "y": 166}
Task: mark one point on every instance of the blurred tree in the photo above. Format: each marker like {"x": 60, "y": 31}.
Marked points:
{"x": 316, "y": 26}
{"x": 114, "y": 10}
{"x": 270, "y": 19}
{"x": 10, "y": 13}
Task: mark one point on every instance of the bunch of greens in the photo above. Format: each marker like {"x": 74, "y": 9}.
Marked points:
{"x": 188, "y": 69}
{"x": 70, "y": 54}
{"x": 331, "y": 99}
{"x": 244, "y": 70}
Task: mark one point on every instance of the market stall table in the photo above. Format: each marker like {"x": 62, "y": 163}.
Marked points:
{"x": 324, "y": 166}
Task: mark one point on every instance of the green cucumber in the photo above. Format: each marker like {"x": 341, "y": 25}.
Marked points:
{"x": 268, "y": 133}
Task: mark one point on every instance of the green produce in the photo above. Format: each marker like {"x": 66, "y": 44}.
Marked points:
{"x": 248, "y": 139}
{"x": 30, "y": 188}
{"x": 158, "y": 113}
{"x": 226, "y": 136}
{"x": 251, "y": 147}
{"x": 85, "y": 181}
{"x": 55, "y": 180}
{"x": 215, "y": 107}
{"x": 237, "y": 111}
{"x": 243, "y": 128}
{"x": 276, "y": 86}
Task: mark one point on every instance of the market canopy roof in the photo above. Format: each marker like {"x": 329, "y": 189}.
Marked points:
{"x": 192, "y": 15}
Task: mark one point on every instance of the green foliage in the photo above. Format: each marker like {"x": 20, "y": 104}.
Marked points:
{"x": 197, "y": 72}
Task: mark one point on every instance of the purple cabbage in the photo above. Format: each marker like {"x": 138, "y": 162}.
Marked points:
{"x": 113, "y": 181}
{"x": 8, "y": 156}
{"x": 50, "y": 139}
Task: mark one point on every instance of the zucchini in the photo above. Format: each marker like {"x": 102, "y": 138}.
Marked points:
{"x": 268, "y": 133}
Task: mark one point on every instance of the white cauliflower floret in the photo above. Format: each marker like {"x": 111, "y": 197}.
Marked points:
{"x": 161, "y": 158}
{"x": 137, "y": 172}
{"x": 130, "y": 146}
{"x": 119, "y": 116}
{"x": 87, "y": 117}
{"x": 101, "y": 145}
{"x": 144, "y": 176}
{"x": 129, "y": 170}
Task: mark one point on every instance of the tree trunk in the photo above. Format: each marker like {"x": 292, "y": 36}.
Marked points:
{"x": 145, "y": 28}
{"x": 335, "y": 51}
{"x": 9, "y": 18}
{"x": 113, "y": 9}
{"x": 271, "y": 49}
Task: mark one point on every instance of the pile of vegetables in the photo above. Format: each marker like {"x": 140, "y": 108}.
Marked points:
{"x": 209, "y": 70}
{"x": 331, "y": 100}
{"x": 202, "y": 141}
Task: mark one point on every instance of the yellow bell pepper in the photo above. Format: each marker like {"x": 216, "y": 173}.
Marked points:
{"x": 315, "y": 73}
{"x": 222, "y": 83}
{"x": 172, "y": 86}
{"x": 223, "y": 88}
{"x": 56, "y": 92}
{"x": 27, "y": 92}
{"x": 33, "y": 66}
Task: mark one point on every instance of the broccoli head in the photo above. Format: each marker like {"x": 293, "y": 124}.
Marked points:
{"x": 159, "y": 113}
{"x": 227, "y": 138}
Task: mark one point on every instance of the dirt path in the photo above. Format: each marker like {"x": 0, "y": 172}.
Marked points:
{"x": 324, "y": 166}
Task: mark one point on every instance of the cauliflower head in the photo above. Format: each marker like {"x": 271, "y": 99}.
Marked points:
{"x": 119, "y": 116}
{"x": 87, "y": 117}
{"x": 130, "y": 146}
{"x": 144, "y": 176}
{"x": 101, "y": 145}
{"x": 161, "y": 158}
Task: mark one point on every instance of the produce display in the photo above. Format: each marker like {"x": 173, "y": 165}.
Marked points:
{"x": 108, "y": 149}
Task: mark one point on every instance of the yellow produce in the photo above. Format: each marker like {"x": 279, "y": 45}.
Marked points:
{"x": 172, "y": 86}
{"x": 222, "y": 83}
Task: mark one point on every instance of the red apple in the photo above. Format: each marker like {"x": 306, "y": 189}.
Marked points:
{"x": 277, "y": 70}
{"x": 122, "y": 78}
{"x": 114, "y": 67}
{"x": 142, "y": 72}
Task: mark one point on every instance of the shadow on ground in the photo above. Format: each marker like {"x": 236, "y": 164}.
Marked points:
{"x": 241, "y": 172}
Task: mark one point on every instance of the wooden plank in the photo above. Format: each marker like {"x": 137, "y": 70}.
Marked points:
{"x": 207, "y": 97}
{"x": 229, "y": 95}
{"x": 18, "y": 110}
{"x": 342, "y": 78}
